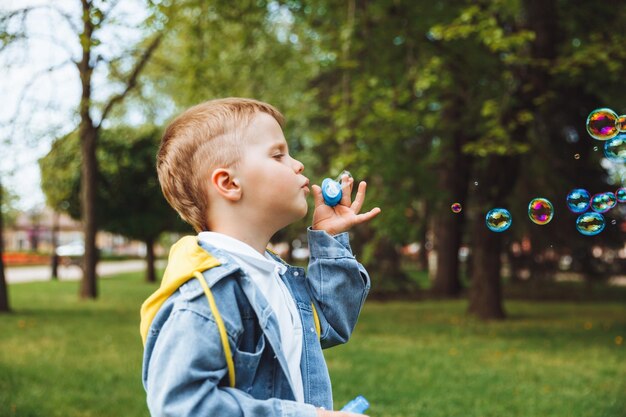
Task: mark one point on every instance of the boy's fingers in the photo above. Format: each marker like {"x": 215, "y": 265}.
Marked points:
{"x": 346, "y": 190}
{"x": 361, "y": 218}
{"x": 359, "y": 198}
{"x": 318, "y": 199}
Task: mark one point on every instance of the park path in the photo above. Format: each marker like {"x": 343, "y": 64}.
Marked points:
{"x": 21, "y": 274}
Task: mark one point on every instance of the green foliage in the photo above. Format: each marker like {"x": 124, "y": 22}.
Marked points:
{"x": 9, "y": 211}
{"x": 129, "y": 198}
{"x": 132, "y": 202}
{"x": 388, "y": 89}
{"x": 60, "y": 175}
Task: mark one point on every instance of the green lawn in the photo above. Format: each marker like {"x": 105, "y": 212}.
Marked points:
{"x": 64, "y": 357}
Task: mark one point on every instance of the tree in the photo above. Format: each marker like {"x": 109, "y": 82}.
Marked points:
{"x": 377, "y": 112}
{"x": 7, "y": 216}
{"x": 87, "y": 24}
{"x": 541, "y": 90}
{"x": 129, "y": 200}
{"x": 4, "y": 289}
{"x": 217, "y": 50}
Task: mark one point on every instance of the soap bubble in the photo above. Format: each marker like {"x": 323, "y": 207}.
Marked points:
{"x": 602, "y": 124}
{"x": 456, "y": 207}
{"x": 578, "y": 200}
{"x": 540, "y": 211}
{"x": 576, "y": 156}
{"x": 603, "y": 202}
{"x": 344, "y": 173}
{"x": 620, "y": 194}
{"x": 615, "y": 149}
{"x": 498, "y": 220}
{"x": 621, "y": 123}
{"x": 590, "y": 224}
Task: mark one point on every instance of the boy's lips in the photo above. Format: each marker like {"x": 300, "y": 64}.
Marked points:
{"x": 306, "y": 186}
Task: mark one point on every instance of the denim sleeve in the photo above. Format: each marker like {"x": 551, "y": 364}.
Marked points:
{"x": 339, "y": 285}
{"x": 185, "y": 368}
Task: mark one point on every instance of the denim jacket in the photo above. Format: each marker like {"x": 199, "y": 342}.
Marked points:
{"x": 184, "y": 368}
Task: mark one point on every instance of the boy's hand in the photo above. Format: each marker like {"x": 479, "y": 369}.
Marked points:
{"x": 345, "y": 215}
{"x": 327, "y": 413}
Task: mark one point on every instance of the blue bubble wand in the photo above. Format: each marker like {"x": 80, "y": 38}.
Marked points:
{"x": 357, "y": 405}
{"x": 331, "y": 189}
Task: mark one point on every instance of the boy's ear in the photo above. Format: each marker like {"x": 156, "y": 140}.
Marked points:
{"x": 225, "y": 184}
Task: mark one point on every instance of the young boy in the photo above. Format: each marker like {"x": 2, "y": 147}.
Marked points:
{"x": 233, "y": 330}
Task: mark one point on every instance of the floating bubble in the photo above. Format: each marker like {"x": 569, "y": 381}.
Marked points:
{"x": 615, "y": 149}
{"x": 621, "y": 123}
{"x": 602, "y": 124}
{"x": 498, "y": 220}
{"x": 571, "y": 135}
{"x": 540, "y": 211}
{"x": 595, "y": 149}
{"x": 456, "y": 207}
{"x": 603, "y": 202}
{"x": 590, "y": 224}
{"x": 578, "y": 200}
{"x": 576, "y": 156}
{"x": 344, "y": 173}
{"x": 620, "y": 194}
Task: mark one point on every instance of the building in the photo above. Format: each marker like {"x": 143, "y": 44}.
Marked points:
{"x": 33, "y": 231}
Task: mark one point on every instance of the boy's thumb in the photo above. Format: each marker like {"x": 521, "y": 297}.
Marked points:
{"x": 318, "y": 199}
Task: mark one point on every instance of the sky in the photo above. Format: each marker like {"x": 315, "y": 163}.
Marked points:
{"x": 40, "y": 105}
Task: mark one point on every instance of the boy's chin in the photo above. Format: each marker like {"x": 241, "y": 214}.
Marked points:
{"x": 295, "y": 216}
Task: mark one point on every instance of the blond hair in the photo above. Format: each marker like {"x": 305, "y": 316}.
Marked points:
{"x": 203, "y": 138}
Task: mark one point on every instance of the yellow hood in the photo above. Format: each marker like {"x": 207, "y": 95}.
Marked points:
{"x": 186, "y": 257}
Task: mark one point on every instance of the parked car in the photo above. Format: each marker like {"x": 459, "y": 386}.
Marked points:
{"x": 72, "y": 249}
{"x": 70, "y": 254}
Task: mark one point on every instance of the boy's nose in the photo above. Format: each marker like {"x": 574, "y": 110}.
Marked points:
{"x": 298, "y": 166}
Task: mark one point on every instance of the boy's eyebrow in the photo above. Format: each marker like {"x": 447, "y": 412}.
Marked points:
{"x": 281, "y": 145}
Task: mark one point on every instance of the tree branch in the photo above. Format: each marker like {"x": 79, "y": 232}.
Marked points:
{"x": 27, "y": 10}
{"x": 27, "y": 87}
{"x": 107, "y": 14}
{"x": 132, "y": 79}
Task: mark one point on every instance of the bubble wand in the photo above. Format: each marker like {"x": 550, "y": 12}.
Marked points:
{"x": 331, "y": 189}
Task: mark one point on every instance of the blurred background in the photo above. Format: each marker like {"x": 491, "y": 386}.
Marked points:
{"x": 479, "y": 103}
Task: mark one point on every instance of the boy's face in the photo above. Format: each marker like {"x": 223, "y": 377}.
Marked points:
{"x": 271, "y": 180}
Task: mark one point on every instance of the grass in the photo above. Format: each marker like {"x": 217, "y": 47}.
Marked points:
{"x": 63, "y": 357}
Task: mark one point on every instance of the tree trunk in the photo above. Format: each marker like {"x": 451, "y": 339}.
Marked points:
{"x": 448, "y": 241}
{"x": 4, "y": 289}
{"x": 386, "y": 270}
{"x": 150, "y": 270}
{"x": 88, "y": 139}
{"x": 88, "y": 211}
{"x": 453, "y": 178}
{"x": 423, "y": 252}
{"x": 485, "y": 297}
{"x": 449, "y": 227}
{"x": 54, "y": 259}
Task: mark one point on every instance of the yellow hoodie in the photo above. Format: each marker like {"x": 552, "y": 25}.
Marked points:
{"x": 186, "y": 260}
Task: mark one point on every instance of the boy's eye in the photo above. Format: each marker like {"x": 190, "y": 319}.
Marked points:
{"x": 279, "y": 156}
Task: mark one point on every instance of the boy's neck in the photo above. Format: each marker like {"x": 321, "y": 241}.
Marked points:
{"x": 253, "y": 239}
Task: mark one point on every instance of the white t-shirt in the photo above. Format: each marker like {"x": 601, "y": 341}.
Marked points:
{"x": 265, "y": 273}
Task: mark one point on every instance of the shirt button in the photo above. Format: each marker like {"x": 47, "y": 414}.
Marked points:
{"x": 296, "y": 273}
{"x": 312, "y": 330}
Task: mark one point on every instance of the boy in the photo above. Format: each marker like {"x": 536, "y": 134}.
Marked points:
{"x": 233, "y": 330}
